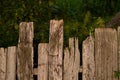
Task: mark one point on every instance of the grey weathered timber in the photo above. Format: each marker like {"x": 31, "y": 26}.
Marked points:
{"x": 2, "y": 63}
{"x": 88, "y": 59}
{"x": 55, "y": 50}
{"x": 43, "y": 61}
{"x": 105, "y": 53}
{"x": 71, "y": 60}
{"x": 11, "y": 63}
{"x": 25, "y": 52}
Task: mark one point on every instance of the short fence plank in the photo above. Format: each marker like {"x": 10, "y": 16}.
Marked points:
{"x": 2, "y": 63}
{"x": 25, "y": 52}
{"x": 72, "y": 57}
{"x": 105, "y": 53}
{"x": 88, "y": 59}
{"x": 11, "y": 63}
{"x": 67, "y": 72}
{"x": 56, "y": 50}
{"x": 76, "y": 59}
{"x": 71, "y": 60}
{"x": 43, "y": 61}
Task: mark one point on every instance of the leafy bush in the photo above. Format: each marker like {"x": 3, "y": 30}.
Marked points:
{"x": 81, "y": 17}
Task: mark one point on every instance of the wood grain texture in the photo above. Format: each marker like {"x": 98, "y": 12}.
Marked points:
{"x": 71, "y": 60}
{"x": 11, "y": 63}
{"x": 3, "y": 53}
{"x": 88, "y": 59}
{"x": 105, "y": 53}
{"x": 25, "y": 52}
{"x": 67, "y": 71}
{"x": 43, "y": 61}
{"x": 118, "y": 30}
{"x": 26, "y": 32}
{"x": 55, "y": 50}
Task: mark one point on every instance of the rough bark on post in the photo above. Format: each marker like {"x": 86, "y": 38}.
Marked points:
{"x": 11, "y": 63}
{"x": 55, "y": 50}
{"x": 105, "y": 53}
{"x": 71, "y": 60}
{"x": 2, "y": 63}
{"x": 88, "y": 59}
{"x": 25, "y": 52}
{"x": 43, "y": 61}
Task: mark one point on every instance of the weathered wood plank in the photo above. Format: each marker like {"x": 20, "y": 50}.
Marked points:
{"x": 55, "y": 50}
{"x": 11, "y": 63}
{"x": 2, "y": 63}
{"x": 72, "y": 57}
{"x": 97, "y": 56}
{"x": 76, "y": 59}
{"x": 26, "y": 32}
{"x": 118, "y": 49}
{"x": 88, "y": 59}
{"x": 67, "y": 72}
{"x": 25, "y": 52}
{"x": 43, "y": 61}
{"x": 71, "y": 60}
{"x": 114, "y": 55}
{"x": 105, "y": 53}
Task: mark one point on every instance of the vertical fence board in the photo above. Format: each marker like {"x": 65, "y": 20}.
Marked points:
{"x": 114, "y": 55}
{"x": 72, "y": 57}
{"x": 76, "y": 60}
{"x": 105, "y": 53}
{"x": 2, "y": 63}
{"x": 88, "y": 59}
{"x": 55, "y": 50}
{"x": 71, "y": 60}
{"x": 97, "y": 57}
{"x": 67, "y": 72}
{"x": 25, "y": 52}
{"x": 11, "y": 63}
{"x": 118, "y": 49}
{"x": 43, "y": 61}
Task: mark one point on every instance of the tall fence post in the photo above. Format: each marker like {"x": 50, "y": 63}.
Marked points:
{"x": 88, "y": 59}
{"x": 3, "y": 53}
{"x": 71, "y": 60}
{"x": 11, "y": 63}
{"x": 25, "y": 52}
{"x": 56, "y": 50}
{"x": 105, "y": 53}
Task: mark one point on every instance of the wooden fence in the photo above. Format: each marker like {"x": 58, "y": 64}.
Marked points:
{"x": 100, "y": 56}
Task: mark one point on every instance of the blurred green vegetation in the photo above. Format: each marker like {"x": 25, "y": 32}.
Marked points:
{"x": 80, "y": 17}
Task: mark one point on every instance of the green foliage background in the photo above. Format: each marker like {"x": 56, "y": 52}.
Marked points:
{"x": 80, "y": 17}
